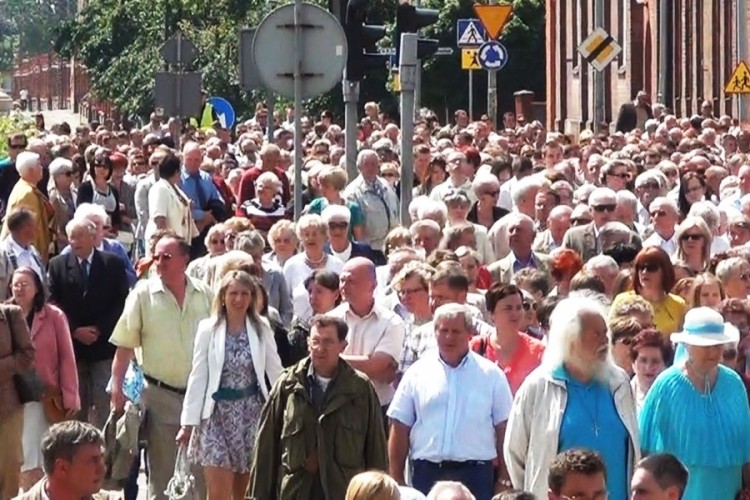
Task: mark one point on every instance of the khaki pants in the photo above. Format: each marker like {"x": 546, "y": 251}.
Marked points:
{"x": 11, "y": 456}
{"x": 163, "y": 408}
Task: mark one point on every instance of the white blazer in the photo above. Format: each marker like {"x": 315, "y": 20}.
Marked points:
{"x": 208, "y": 363}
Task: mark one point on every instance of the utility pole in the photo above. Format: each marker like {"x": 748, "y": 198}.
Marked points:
{"x": 408, "y": 63}
{"x": 663, "y": 50}
{"x": 351, "y": 99}
{"x": 417, "y": 77}
{"x": 600, "y": 114}
{"x": 492, "y": 92}
{"x": 742, "y": 42}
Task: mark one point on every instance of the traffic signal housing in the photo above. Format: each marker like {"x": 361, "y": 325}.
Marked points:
{"x": 410, "y": 19}
{"x": 362, "y": 39}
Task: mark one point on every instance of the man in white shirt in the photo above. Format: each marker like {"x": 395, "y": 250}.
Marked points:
{"x": 664, "y": 216}
{"x": 449, "y": 413}
{"x": 458, "y": 169}
{"x": 16, "y": 250}
{"x": 375, "y": 333}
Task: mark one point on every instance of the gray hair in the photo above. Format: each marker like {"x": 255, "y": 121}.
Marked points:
{"x": 706, "y": 211}
{"x": 450, "y": 489}
{"x": 247, "y": 241}
{"x": 63, "y": 440}
{"x": 484, "y": 180}
{"x": 311, "y": 221}
{"x": 92, "y": 212}
{"x": 665, "y": 202}
{"x": 26, "y": 161}
{"x": 523, "y": 188}
{"x": 60, "y": 166}
{"x": 268, "y": 178}
{"x": 727, "y": 267}
{"x": 364, "y": 154}
{"x": 78, "y": 223}
{"x": 628, "y": 199}
{"x": 601, "y": 262}
{"x": 433, "y": 209}
{"x": 452, "y": 311}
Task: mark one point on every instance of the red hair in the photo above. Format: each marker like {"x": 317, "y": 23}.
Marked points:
{"x": 566, "y": 262}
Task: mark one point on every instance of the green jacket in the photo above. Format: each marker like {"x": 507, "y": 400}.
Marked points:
{"x": 348, "y": 434}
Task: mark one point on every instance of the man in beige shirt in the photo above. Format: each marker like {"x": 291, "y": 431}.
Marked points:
{"x": 376, "y": 334}
{"x": 161, "y": 318}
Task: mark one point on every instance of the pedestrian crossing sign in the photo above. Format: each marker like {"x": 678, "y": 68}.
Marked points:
{"x": 739, "y": 82}
{"x": 470, "y": 33}
{"x": 470, "y": 59}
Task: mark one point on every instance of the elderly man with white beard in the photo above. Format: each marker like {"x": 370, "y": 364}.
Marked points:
{"x": 577, "y": 398}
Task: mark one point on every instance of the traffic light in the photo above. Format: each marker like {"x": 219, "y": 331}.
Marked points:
{"x": 410, "y": 19}
{"x": 362, "y": 39}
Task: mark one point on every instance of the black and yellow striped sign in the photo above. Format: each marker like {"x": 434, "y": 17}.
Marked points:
{"x": 599, "y": 49}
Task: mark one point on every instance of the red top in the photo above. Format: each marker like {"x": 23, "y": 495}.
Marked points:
{"x": 527, "y": 357}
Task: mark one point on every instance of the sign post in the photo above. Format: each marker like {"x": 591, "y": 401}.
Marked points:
{"x": 408, "y": 72}
{"x": 494, "y": 18}
{"x": 304, "y": 65}
{"x": 469, "y": 36}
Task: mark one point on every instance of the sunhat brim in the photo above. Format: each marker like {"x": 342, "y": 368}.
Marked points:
{"x": 730, "y": 335}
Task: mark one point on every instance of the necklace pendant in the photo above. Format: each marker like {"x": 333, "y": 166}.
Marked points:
{"x": 596, "y": 429}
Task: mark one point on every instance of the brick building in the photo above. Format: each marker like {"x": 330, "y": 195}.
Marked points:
{"x": 701, "y": 52}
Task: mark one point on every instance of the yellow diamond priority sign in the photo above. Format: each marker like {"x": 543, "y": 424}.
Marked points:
{"x": 599, "y": 49}
{"x": 470, "y": 59}
{"x": 739, "y": 82}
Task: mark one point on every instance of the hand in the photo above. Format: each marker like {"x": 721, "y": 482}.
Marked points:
{"x": 183, "y": 437}
{"x": 502, "y": 485}
{"x": 86, "y": 335}
{"x": 117, "y": 401}
{"x": 208, "y": 218}
{"x": 70, "y": 412}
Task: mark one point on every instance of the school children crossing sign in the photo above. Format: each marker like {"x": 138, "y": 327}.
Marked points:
{"x": 739, "y": 82}
{"x": 470, "y": 33}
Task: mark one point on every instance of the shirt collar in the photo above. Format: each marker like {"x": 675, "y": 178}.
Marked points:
{"x": 16, "y": 247}
{"x": 460, "y": 365}
{"x": 89, "y": 258}
{"x": 373, "y": 312}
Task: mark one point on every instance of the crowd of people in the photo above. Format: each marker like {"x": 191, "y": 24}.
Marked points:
{"x": 564, "y": 318}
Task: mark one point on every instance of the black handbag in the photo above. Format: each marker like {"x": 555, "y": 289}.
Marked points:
{"x": 29, "y": 385}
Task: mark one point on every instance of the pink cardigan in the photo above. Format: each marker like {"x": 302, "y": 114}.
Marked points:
{"x": 54, "y": 359}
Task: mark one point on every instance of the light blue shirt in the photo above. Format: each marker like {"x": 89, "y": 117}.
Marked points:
{"x": 190, "y": 186}
{"x": 452, "y": 412}
{"x": 591, "y": 422}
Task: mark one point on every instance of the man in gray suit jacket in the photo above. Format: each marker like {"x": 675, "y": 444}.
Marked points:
{"x": 585, "y": 239}
{"x": 520, "y": 238}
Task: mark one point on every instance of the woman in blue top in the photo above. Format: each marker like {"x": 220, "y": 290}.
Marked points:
{"x": 331, "y": 181}
{"x": 698, "y": 411}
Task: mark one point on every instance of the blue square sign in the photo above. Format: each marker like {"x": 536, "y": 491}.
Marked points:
{"x": 470, "y": 33}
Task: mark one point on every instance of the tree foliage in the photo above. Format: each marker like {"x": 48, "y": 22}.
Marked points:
{"x": 13, "y": 124}
{"x": 119, "y": 41}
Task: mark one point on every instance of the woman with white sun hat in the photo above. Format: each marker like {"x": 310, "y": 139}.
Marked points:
{"x": 698, "y": 411}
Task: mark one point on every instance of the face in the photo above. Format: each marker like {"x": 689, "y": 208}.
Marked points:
{"x": 266, "y": 193}
{"x": 325, "y": 348}
{"x": 592, "y": 346}
{"x": 471, "y": 268}
{"x": 650, "y": 275}
{"x": 644, "y": 487}
{"x": 170, "y": 262}
{"x": 603, "y": 211}
{"x": 356, "y": 285}
{"x": 710, "y": 295}
{"x": 413, "y": 294}
{"x": 427, "y": 239}
{"x": 338, "y": 230}
{"x": 457, "y": 212}
{"x": 322, "y": 299}
{"x": 370, "y": 167}
{"x": 509, "y": 314}
{"x": 312, "y": 238}
{"x": 582, "y": 487}
{"x": 284, "y": 243}
{"x": 705, "y": 357}
{"x": 692, "y": 241}
{"x": 648, "y": 364}
{"x": 552, "y": 156}
{"x": 238, "y": 298}
{"x": 85, "y": 472}
{"x": 664, "y": 219}
{"x": 543, "y": 204}
{"x": 216, "y": 243}
{"x": 441, "y": 294}
{"x": 520, "y": 236}
{"x": 618, "y": 178}
{"x": 193, "y": 159}
{"x": 452, "y": 339}
{"x": 23, "y": 289}
{"x": 739, "y": 234}
{"x": 81, "y": 242}
{"x": 738, "y": 283}
{"x": 695, "y": 191}
{"x": 437, "y": 174}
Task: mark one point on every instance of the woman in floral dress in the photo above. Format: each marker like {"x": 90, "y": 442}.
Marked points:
{"x": 234, "y": 353}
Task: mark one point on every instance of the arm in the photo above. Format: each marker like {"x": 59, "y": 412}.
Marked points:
{"x": 398, "y": 449}
{"x": 516, "y": 441}
{"x": 68, "y": 382}
{"x": 120, "y": 363}
{"x": 286, "y": 309}
{"x": 379, "y": 366}
{"x": 116, "y": 216}
{"x": 195, "y": 395}
{"x": 141, "y": 203}
{"x": 267, "y": 455}
{"x": 274, "y": 368}
{"x": 376, "y": 448}
{"x": 22, "y": 356}
{"x": 117, "y": 281}
{"x": 85, "y": 193}
{"x": 502, "y": 471}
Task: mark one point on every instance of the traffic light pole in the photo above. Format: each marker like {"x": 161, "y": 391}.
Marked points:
{"x": 298, "y": 44}
{"x": 351, "y": 98}
{"x": 408, "y": 73}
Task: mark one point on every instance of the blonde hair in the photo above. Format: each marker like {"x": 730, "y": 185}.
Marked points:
{"x": 244, "y": 279}
{"x": 336, "y": 177}
{"x": 372, "y": 485}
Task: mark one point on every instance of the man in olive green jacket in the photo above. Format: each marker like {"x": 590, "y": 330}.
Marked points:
{"x": 321, "y": 425}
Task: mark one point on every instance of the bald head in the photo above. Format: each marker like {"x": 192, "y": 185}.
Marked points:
{"x": 192, "y": 157}
{"x": 358, "y": 282}
{"x": 558, "y": 222}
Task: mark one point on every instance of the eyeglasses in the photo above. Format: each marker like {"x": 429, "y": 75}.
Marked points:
{"x": 405, "y": 292}
{"x": 218, "y": 241}
{"x": 649, "y": 267}
{"x": 338, "y": 225}
{"x": 603, "y": 208}
{"x": 621, "y": 175}
{"x": 528, "y": 306}
{"x": 694, "y": 237}
{"x": 650, "y": 185}
{"x": 492, "y": 193}
{"x": 20, "y": 285}
{"x": 67, "y": 174}
{"x": 163, "y": 256}
{"x": 658, "y": 213}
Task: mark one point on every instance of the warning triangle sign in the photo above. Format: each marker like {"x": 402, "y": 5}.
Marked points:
{"x": 493, "y": 17}
{"x": 739, "y": 82}
{"x": 471, "y": 36}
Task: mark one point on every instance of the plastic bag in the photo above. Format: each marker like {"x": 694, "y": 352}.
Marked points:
{"x": 182, "y": 484}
